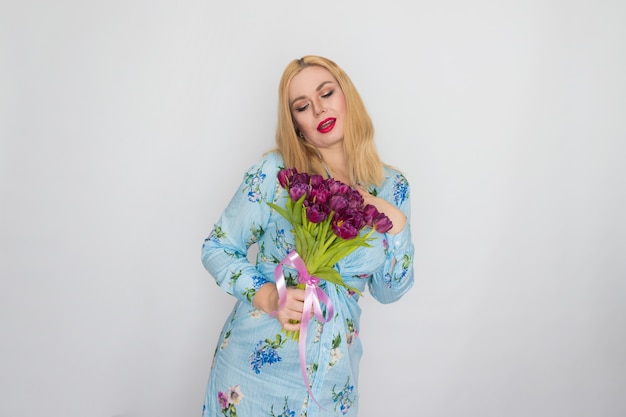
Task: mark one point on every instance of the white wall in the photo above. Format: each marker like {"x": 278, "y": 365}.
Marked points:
{"x": 126, "y": 126}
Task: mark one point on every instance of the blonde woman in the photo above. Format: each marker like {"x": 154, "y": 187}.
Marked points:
{"x": 323, "y": 129}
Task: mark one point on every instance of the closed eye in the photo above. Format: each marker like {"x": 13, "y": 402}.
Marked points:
{"x": 330, "y": 93}
{"x": 301, "y": 109}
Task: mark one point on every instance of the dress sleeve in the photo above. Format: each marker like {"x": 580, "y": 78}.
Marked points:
{"x": 243, "y": 222}
{"x": 396, "y": 277}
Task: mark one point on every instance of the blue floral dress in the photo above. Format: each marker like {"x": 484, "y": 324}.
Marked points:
{"x": 256, "y": 367}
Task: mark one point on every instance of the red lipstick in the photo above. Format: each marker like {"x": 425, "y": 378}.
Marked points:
{"x": 326, "y": 125}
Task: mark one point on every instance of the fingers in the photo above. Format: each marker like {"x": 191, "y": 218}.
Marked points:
{"x": 291, "y": 314}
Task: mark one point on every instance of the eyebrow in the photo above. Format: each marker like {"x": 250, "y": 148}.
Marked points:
{"x": 319, "y": 87}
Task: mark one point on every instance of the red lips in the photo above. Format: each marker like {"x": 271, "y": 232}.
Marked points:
{"x": 326, "y": 125}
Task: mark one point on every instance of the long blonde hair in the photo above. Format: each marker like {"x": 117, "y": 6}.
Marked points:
{"x": 364, "y": 164}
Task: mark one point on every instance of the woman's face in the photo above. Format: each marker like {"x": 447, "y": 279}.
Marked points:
{"x": 318, "y": 106}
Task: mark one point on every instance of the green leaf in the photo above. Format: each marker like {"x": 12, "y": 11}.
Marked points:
{"x": 280, "y": 211}
{"x": 297, "y": 210}
{"x": 333, "y": 276}
{"x": 301, "y": 241}
{"x": 336, "y": 341}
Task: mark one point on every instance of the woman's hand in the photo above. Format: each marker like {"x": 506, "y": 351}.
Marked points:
{"x": 266, "y": 299}
{"x": 397, "y": 217}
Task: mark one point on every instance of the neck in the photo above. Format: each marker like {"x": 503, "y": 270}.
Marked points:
{"x": 336, "y": 164}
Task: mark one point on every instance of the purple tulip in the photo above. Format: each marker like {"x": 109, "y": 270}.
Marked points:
{"x": 317, "y": 213}
{"x": 356, "y": 199}
{"x": 301, "y": 178}
{"x": 297, "y": 190}
{"x": 382, "y": 223}
{"x": 355, "y": 217}
{"x": 344, "y": 229}
{"x": 319, "y": 195}
{"x": 338, "y": 203}
{"x": 285, "y": 176}
{"x": 348, "y": 223}
{"x": 316, "y": 181}
{"x": 337, "y": 187}
{"x": 369, "y": 213}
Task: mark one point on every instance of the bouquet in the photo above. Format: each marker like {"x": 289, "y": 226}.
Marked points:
{"x": 327, "y": 217}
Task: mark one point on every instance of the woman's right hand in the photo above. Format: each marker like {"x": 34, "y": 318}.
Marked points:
{"x": 267, "y": 300}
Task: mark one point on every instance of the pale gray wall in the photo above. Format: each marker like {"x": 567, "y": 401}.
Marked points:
{"x": 126, "y": 127}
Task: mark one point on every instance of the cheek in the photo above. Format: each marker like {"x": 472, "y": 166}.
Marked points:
{"x": 301, "y": 122}
{"x": 342, "y": 105}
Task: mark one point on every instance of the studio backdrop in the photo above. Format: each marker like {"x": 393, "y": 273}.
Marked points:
{"x": 125, "y": 128}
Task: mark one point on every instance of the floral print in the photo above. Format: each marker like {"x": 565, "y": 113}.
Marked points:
{"x": 257, "y": 282}
{"x": 285, "y": 413}
{"x": 215, "y": 235}
{"x": 229, "y": 400}
{"x": 255, "y": 233}
{"x": 345, "y": 398}
{"x": 234, "y": 277}
{"x": 353, "y": 333}
{"x": 266, "y": 352}
{"x": 335, "y": 351}
{"x": 258, "y": 364}
{"x": 405, "y": 266}
{"x": 400, "y": 189}
{"x": 281, "y": 242}
{"x": 224, "y": 344}
{"x": 253, "y": 181}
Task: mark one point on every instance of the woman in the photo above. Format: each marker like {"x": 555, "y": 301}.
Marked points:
{"x": 323, "y": 128}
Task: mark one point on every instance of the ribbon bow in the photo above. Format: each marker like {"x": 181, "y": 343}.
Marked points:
{"x": 313, "y": 295}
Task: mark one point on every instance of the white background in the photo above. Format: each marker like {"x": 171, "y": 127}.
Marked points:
{"x": 126, "y": 126}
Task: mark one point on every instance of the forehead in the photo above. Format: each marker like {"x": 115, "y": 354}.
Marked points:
{"x": 308, "y": 80}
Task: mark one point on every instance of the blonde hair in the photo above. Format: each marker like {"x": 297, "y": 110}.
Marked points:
{"x": 364, "y": 164}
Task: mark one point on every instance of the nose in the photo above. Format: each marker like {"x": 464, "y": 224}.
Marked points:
{"x": 318, "y": 108}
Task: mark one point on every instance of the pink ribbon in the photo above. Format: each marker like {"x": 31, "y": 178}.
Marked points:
{"x": 313, "y": 295}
